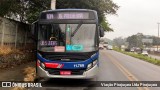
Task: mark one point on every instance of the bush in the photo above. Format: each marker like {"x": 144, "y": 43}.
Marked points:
{"x": 140, "y": 56}
{"x": 6, "y": 50}
{"x": 12, "y": 57}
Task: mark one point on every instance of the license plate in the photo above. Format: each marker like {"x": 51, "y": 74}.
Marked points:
{"x": 65, "y": 72}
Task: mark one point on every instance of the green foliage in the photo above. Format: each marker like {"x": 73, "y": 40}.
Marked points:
{"x": 119, "y": 41}
{"x": 28, "y": 10}
{"x": 14, "y": 9}
{"x": 35, "y": 7}
{"x": 4, "y": 7}
{"x": 156, "y": 40}
{"x": 106, "y": 25}
{"x": 101, "y": 6}
{"x": 136, "y": 40}
{"x": 140, "y": 56}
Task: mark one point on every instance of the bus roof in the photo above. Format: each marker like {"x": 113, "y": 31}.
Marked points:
{"x": 57, "y": 10}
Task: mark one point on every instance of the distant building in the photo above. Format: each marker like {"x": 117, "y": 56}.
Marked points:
{"x": 154, "y": 48}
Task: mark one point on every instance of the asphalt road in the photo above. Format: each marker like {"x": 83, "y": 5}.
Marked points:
{"x": 114, "y": 66}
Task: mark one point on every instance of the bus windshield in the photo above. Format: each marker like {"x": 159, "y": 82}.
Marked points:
{"x": 67, "y": 37}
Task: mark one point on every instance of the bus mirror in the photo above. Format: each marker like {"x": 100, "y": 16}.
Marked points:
{"x": 101, "y": 32}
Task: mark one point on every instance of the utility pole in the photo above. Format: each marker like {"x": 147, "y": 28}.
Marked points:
{"x": 53, "y": 4}
{"x": 158, "y": 36}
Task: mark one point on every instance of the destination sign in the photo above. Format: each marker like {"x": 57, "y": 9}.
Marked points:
{"x": 65, "y": 15}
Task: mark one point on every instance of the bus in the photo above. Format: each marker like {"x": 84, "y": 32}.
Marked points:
{"x": 67, "y": 43}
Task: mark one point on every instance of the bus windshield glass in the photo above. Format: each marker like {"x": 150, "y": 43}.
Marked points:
{"x": 67, "y": 37}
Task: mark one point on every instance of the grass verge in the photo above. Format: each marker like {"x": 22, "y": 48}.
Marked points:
{"x": 140, "y": 56}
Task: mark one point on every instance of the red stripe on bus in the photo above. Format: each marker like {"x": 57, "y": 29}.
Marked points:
{"x": 62, "y": 66}
{"x": 51, "y": 65}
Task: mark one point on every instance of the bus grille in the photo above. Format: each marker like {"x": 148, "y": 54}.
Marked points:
{"x": 67, "y": 56}
{"x": 70, "y": 57}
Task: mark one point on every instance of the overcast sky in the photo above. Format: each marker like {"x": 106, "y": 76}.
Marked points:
{"x": 135, "y": 16}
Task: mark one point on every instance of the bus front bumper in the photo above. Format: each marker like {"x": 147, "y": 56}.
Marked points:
{"x": 86, "y": 75}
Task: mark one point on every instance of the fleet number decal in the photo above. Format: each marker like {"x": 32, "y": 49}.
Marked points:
{"x": 79, "y": 65}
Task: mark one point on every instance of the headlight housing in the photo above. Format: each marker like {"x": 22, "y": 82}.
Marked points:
{"x": 41, "y": 64}
{"x": 92, "y": 64}
{"x": 89, "y": 66}
{"x": 95, "y": 62}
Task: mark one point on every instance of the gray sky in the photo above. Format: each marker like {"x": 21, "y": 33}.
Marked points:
{"x": 135, "y": 16}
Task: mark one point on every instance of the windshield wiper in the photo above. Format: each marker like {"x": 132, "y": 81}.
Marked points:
{"x": 74, "y": 32}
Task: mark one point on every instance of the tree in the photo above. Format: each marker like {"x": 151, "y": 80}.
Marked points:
{"x": 14, "y": 9}
{"x": 28, "y": 10}
{"x": 119, "y": 41}
{"x": 135, "y": 40}
{"x": 156, "y": 40}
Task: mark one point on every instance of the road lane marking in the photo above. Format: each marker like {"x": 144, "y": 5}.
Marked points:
{"x": 129, "y": 75}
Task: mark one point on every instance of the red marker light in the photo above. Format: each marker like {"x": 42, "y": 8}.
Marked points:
{"x": 53, "y": 65}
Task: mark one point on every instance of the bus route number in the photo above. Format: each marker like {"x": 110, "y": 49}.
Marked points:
{"x": 79, "y": 65}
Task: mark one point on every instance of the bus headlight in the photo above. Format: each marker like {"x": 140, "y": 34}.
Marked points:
{"x": 92, "y": 64}
{"x": 89, "y": 66}
{"x": 95, "y": 62}
{"x": 42, "y": 65}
